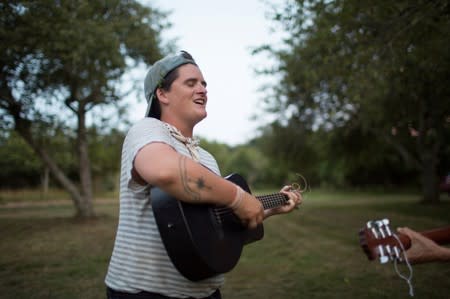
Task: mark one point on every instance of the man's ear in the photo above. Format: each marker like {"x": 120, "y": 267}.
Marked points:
{"x": 161, "y": 95}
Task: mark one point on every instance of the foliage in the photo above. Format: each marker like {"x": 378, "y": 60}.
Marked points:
{"x": 290, "y": 150}
{"x": 20, "y": 168}
{"x": 247, "y": 160}
{"x": 72, "y": 53}
{"x": 377, "y": 69}
{"x": 65, "y": 59}
{"x": 220, "y": 151}
{"x": 105, "y": 149}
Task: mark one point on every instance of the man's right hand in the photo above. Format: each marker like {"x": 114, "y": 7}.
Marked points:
{"x": 249, "y": 210}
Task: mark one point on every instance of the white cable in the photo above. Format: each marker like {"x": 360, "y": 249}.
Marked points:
{"x": 407, "y": 279}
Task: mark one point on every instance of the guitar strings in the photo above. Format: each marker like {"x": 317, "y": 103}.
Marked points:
{"x": 272, "y": 200}
{"x": 407, "y": 279}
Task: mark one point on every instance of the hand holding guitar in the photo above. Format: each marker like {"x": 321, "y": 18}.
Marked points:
{"x": 379, "y": 242}
{"x": 251, "y": 212}
{"x": 423, "y": 249}
{"x": 247, "y": 208}
{"x": 295, "y": 199}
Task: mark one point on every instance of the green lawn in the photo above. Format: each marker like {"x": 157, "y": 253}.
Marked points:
{"x": 311, "y": 253}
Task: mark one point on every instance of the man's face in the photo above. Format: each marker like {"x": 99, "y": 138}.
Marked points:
{"x": 187, "y": 95}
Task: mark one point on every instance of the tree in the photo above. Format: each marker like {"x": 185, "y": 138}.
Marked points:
{"x": 64, "y": 59}
{"x": 291, "y": 151}
{"x": 105, "y": 150}
{"x": 379, "y": 66}
{"x": 19, "y": 167}
{"x": 246, "y": 160}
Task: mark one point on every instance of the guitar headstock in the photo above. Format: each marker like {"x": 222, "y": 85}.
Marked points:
{"x": 378, "y": 241}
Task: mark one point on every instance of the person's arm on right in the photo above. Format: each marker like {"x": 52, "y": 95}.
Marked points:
{"x": 423, "y": 249}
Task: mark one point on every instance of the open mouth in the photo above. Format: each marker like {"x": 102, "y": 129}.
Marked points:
{"x": 201, "y": 102}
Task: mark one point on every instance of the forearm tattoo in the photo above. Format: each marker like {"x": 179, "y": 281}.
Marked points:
{"x": 192, "y": 186}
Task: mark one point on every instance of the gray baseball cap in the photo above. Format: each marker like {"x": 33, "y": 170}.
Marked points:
{"x": 158, "y": 71}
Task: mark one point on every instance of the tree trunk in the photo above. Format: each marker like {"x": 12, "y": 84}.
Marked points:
{"x": 426, "y": 164}
{"x": 428, "y": 145}
{"x": 430, "y": 183}
{"x": 428, "y": 148}
{"x": 23, "y": 127}
{"x": 86, "y": 208}
{"x": 45, "y": 182}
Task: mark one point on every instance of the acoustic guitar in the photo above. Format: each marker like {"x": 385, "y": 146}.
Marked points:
{"x": 379, "y": 242}
{"x": 205, "y": 240}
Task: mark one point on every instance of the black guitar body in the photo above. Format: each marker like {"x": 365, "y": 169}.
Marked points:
{"x": 200, "y": 241}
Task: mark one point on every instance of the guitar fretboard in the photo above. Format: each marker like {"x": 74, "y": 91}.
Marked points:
{"x": 273, "y": 200}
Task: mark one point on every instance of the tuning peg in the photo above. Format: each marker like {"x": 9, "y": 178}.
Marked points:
{"x": 383, "y": 258}
{"x": 397, "y": 253}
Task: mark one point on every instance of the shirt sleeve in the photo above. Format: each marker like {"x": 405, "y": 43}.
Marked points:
{"x": 146, "y": 131}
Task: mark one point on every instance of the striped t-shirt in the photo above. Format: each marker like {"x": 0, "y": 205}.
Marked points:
{"x": 139, "y": 261}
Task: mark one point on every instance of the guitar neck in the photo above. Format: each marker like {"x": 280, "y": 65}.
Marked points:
{"x": 439, "y": 235}
{"x": 272, "y": 200}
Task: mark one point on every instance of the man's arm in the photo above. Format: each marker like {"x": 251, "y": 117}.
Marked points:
{"x": 160, "y": 165}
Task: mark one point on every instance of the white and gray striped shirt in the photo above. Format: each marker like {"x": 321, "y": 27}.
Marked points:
{"x": 139, "y": 261}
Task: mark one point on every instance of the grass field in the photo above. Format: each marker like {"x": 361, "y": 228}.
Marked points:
{"x": 311, "y": 253}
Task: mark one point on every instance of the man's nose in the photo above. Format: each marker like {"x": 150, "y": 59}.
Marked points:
{"x": 201, "y": 89}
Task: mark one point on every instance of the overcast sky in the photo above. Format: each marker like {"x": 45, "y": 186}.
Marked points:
{"x": 219, "y": 35}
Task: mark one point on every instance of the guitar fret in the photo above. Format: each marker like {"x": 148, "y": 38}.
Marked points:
{"x": 268, "y": 201}
{"x": 272, "y": 200}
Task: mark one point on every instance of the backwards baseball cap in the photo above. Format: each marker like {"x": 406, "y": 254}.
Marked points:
{"x": 158, "y": 71}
